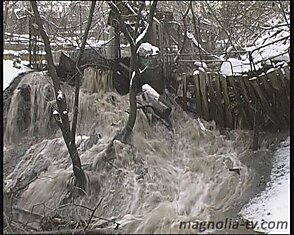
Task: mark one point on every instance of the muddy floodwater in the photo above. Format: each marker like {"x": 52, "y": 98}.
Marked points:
{"x": 193, "y": 173}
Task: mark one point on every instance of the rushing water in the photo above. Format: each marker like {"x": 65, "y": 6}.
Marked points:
{"x": 162, "y": 178}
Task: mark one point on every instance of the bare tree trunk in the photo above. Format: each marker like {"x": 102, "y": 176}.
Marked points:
{"x": 135, "y": 75}
{"x": 185, "y": 34}
{"x": 62, "y": 107}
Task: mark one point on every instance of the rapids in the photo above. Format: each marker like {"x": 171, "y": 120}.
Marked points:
{"x": 161, "y": 178}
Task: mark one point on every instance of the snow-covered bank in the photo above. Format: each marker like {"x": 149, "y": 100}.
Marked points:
{"x": 273, "y": 205}
{"x": 10, "y": 72}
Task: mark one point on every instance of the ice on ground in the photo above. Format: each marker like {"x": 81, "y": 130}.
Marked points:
{"x": 10, "y": 72}
{"x": 273, "y": 205}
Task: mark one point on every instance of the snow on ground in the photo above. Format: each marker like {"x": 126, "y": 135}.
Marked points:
{"x": 273, "y": 204}
{"x": 9, "y": 72}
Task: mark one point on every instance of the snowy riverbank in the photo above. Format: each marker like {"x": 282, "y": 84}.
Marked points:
{"x": 272, "y": 206}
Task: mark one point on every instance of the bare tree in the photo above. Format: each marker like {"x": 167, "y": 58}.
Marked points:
{"x": 135, "y": 75}
{"x": 62, "y": 113}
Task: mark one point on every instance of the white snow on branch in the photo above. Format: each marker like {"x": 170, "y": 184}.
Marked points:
{"x": 60, "y": 95}
{"x": 191, "y": 36}
{"x": 146, "y": 49}
{"x": 142, "y": 35}
{"x": 130, "y": 8}
{"x": 132, "y": 77}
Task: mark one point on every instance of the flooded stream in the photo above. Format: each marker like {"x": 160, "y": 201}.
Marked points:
{"x": 194, "y": 172}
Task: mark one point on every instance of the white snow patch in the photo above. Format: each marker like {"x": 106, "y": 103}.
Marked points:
{"x": 235, "y": 66}
{"x": 60, "y": 95}
{"x": 196, "y": 72}
{"x": 273, "y": 204}
{"x": 200, "y": 64}
{"x": 10, "y": 72}
{"x": 55, "y": 112}
{"x": 146, "y": 49}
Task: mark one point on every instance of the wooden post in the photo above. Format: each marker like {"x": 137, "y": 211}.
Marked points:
{"x": 256, "y": 127}
{"x": 271, "y": 74}
{"x": 287, "y": 71}
{"x": 197, "y": 94}
{"x": 30, "y": 39}
{"x": 211, "y": 96}
{"x": 203, "y": 92}
{"x": 229, "y": 118}
{"x": 117, "y": 53}
{"x": 220, "y": 104}
{"x": 268, "y": 89}
{"x": 264, "y": 102}
{"x": 240, "y": 104}
{"x": 283, "y": 96}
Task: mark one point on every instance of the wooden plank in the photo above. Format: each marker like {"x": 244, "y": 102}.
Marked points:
{"x": 240, "y": 103}
{"x": 266, "y": 107}
{"x": 229, "y": 118}
{"x": 246, "y": 95}
{"x": 281, "y": 77}
{"x": 271, "y": 74}
{"x": 212, "y": 104}
{"x": 197, "y": 94}
{"x": 204, "y": 98}
{"x": 283, "y": 97}
{"x": 219, "y": 98}
{"x": 267, "y": 87}
{"x": 286, "y": 69}
{"x": 253, "y": 98}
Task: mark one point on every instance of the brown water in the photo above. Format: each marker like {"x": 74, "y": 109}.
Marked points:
{"x": 162, "y": 178}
